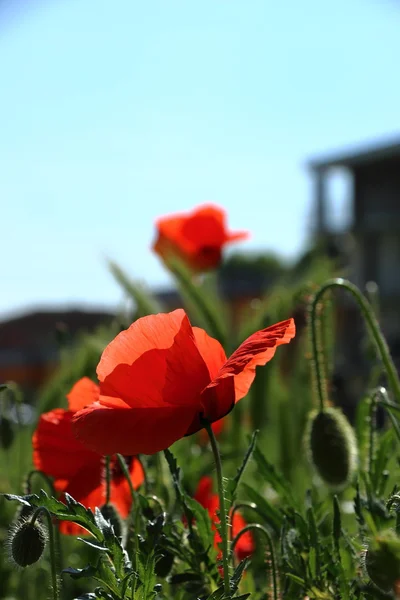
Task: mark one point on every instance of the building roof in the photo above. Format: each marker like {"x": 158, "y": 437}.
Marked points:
{"x": 34, "y": 328}
{"x": 370, "y": 153}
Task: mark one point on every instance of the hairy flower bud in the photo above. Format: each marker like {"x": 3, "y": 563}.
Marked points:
{"x": 26, "y": 542}
{"x": 331, "y": 447}
{"x": 382, "y": 560}
{"x": 110, "y": 513}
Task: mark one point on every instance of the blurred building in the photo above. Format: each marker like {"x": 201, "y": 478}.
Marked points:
{"x": 371, "y": 241}
{"x": 30, "y": 343}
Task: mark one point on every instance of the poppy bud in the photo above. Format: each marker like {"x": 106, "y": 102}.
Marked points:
{"x": 331, "y": 446}
{"x": 26, "y": 542}
{"x": 382, "y": 560}
{"x": 110, "y": 514}
{"x": 6, "y": 433}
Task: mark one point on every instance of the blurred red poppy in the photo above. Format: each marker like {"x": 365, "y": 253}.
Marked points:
{"x": 197, "y": 237}
{"x": 77, "y": 470}
{"x": 161, "y": 376}
{"x": 210, "y": 501}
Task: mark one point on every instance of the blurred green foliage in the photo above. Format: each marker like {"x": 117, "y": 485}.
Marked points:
{"x": 318, "y": 537}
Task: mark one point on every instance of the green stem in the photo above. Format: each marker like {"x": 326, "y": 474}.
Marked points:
{"x": 108, "y": 479}
{"x": 318, "y": 362}
{"x": 373, "y": 329}
{"x": 36, "y": 514}
{"x": 264, "y": 530}
{"x": 28, "y": 490}
{"x": 136, "y": 508}
{"x": 222, "y": 510}
{"x": 372, "y": 425}
{"x": 46, "y": 478}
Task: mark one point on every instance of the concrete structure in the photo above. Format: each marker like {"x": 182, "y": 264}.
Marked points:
{"x": 374, "y": 230}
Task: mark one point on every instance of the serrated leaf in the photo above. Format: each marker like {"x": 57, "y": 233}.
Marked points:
{"x": 147, "y": 576}
{"x": 74, "y": 511}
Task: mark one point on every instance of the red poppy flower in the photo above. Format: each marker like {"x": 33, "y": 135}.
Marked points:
{"x": 76, "y": 469}
{"x": 204, "y": 496}
{"x": 197, "y": 237}
{"x": 160, "y": 376}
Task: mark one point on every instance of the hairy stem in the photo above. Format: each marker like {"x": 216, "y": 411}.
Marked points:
{"x": 222, "y": 509}
{"x": 265, "y": 532}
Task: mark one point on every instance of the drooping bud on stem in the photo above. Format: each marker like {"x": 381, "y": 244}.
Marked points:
{"x": 331, "y": 447}
{"x": 27, "y": 541}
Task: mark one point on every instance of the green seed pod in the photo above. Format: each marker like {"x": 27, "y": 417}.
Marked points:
{"x": 382, "y": 560}
{"x": 331, "y": 447}
{"x": 26, "y": 542}
{"x": 110, "y": 513}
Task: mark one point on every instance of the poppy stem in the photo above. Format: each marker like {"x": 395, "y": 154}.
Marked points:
{"x": 108, "y": 479}
{"x": 222, "y": 509}
{"x": 374, "y": 331}
{"x": 135, "y": 503}
{"x": 36, "y": 514}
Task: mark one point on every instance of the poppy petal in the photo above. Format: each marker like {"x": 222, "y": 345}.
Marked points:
{"x": 131, "y": 431}
{"x": 84, "y": 392}
{"x": 257, "y": 350}
{"x": 217, "y": 400}
{"x": 56, "y": 451}
{"x": 211, "y": 350}
{"x": 153, "y": 363}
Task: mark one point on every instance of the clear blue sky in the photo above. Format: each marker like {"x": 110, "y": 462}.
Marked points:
{"x": 113, "y": 113}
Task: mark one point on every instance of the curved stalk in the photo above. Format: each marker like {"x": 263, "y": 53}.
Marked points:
{"x": 36, "y": 514}
{"x": 264, "y": 530}
{"x": 374, "y": 331}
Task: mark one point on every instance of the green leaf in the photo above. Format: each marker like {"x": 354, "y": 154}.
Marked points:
{"x": 147, "y": 576}
{"x": 194, "y": 512}
{"x": 296, "y": 579}
{"x": 145, "y": 302}
{"x": 272, "y": 515}
{"x": 202, "y": 303}
{"x": 119, "y": 558}
{"x": 93, "y": 544}
{"x": 88, "y": 571}
{"x": 268, "y": 472}
{"x": 233, "y": 484}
